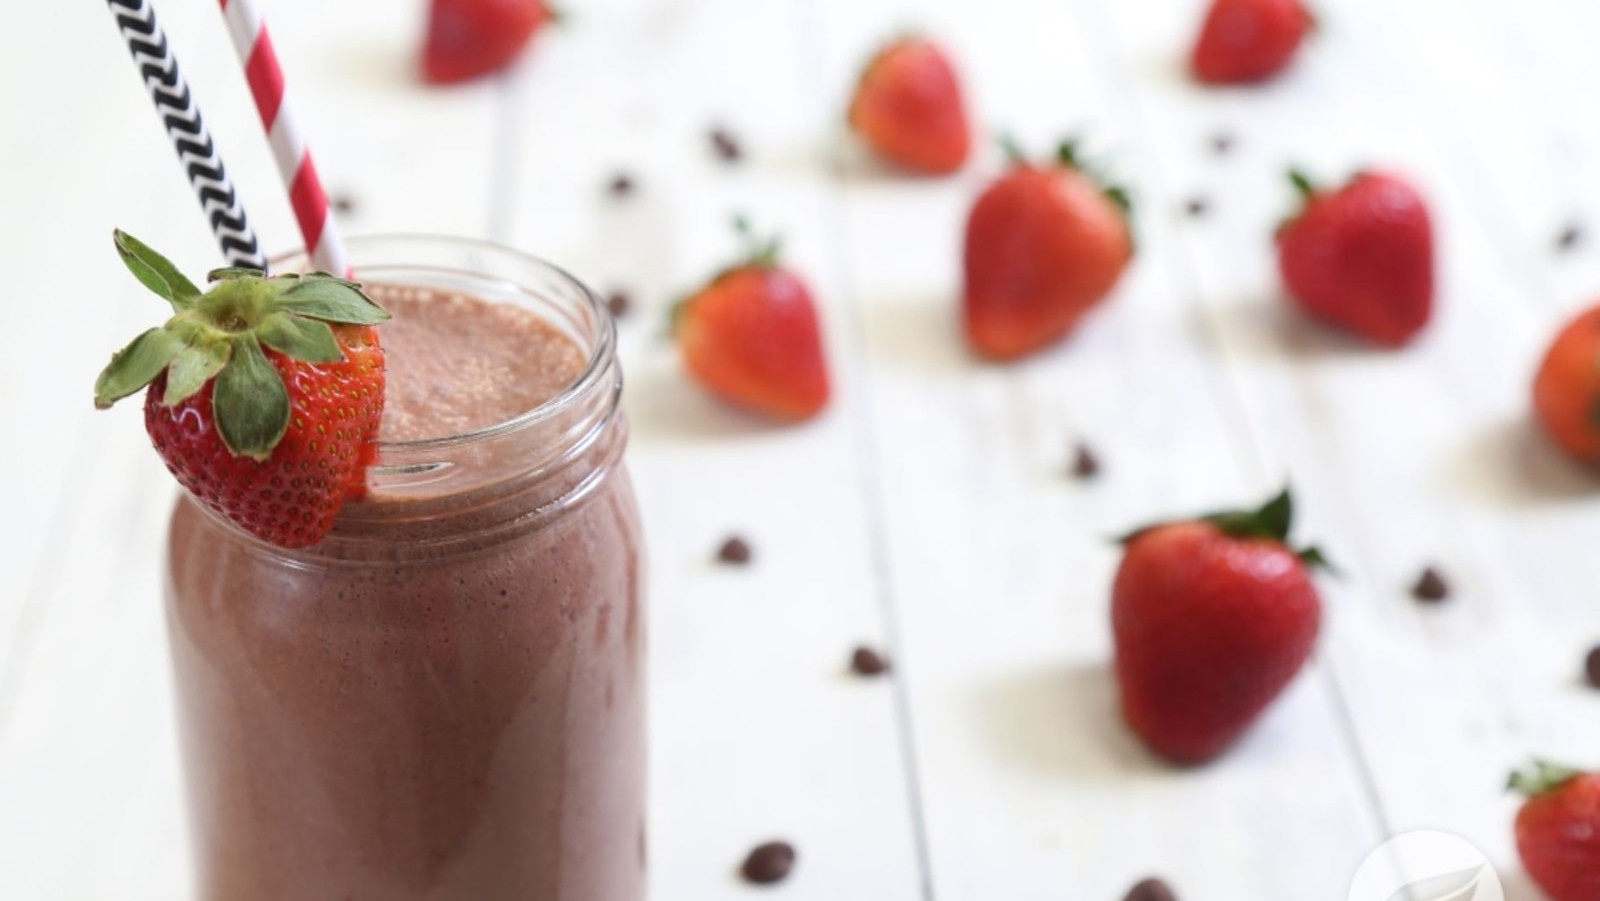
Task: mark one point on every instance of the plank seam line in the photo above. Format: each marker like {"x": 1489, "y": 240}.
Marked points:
{"x": 69, "y": 506}
{"x": 504, "y": 144}
{"x": 871, "y": 481}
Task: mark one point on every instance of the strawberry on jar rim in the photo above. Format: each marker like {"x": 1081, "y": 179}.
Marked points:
{"x": 262, "y": 395}
{"x": 1243, "y": 41}
{"x": 1212, "y": 619}
{"x": 908, "y": 107}
{"x": 1558, "y": 830}
{"x": 468, "y": 39}
{"x": 1045, "y": 243}
{"x": 1361, "y": 257}
{"x": 751, "y": 336}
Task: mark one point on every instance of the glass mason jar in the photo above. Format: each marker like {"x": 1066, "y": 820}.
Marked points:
{"x": 445, "y": 698}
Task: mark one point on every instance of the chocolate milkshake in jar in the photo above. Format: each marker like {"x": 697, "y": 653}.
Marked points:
{"x": 443, "y": 698}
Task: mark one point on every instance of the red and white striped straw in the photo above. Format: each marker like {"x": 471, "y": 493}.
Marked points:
{"x": 306, "y": 195}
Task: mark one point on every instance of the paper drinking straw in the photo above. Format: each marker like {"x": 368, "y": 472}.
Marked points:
{"x": 196, "y": 150}
{"x": 306, "y": 195}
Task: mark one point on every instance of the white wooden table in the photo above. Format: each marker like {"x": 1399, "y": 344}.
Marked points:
{"x": 928, "y": 511}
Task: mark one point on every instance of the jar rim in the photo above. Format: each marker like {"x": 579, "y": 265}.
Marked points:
{"x": 600, "y": 355}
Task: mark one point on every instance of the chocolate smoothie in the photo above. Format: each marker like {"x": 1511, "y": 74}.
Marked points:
{"x": 445, "y": 698}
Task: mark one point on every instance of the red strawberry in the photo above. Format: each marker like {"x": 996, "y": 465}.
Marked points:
{"x": 1361, "y": 257}
{"x": 1558, "y": 831}
{"x": 1248, "y": 40}
{"x": 469, "y": 38}
{"x": 908, "y": 108}
{"x": 1566, "y": 392}
{"x": 264, "y": 393}
{"x": 1045, "y": 243}
{"x": 1213, "y": 617}
{"x": 751, "y": 337}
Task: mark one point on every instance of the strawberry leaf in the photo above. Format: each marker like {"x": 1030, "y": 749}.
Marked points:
{"x": 135, "y": 366}
{"x": 250, "y": 402}
{"x": 1012, "y": 149}
{"x": 1545, "y": 777}
{"x": 331, "y": 300}
{"x": 155, "y": 271}
{"x": 296, "y": 336}
{"x": 1303, "y": 185}
{"x": 193, "y": 368}
{"x": 1272, "y": 520}
{"x": 219, "y": 275}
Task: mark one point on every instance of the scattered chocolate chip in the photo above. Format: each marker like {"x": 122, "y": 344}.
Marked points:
{"x": 621, "y": 185}
{"x": 1430, "y": 587}
{"x": 735, "y": 551}
{"x": 1221, "y": 143}
{"x": 1151, "y": 890}
{"x": 1591, "y": 667}
{"x": 769, "y": 863}
{"x": 867, "y": 662}
{"x": 1085, "y": 465}
{"x": 1196, "y": 207}
{"x": 725, "y": 145}
{"x": 619, "y": 303}
{"x": 1570, "y": 237}
{"x": 343, "y": 204}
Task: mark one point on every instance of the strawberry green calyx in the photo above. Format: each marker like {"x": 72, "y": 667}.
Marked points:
{"x": 1272, "y": 521}
{"x": 223, "y": 334}
{"x": 1303, "y": 185}
{"x": 1544, "y": 777}
{"x": 758, "y": 253}
{"x": 1067, "y": 155}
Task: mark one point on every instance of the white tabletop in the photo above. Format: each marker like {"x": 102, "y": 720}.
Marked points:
{"x": 929, "y": 511}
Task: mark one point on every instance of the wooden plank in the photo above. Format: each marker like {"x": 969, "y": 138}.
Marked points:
{"x": 758, "y": 730}
{"x": 1000, "y": 565}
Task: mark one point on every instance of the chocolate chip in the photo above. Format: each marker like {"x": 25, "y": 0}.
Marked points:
{"x": 621, "y": 185}
{"x": 867, "y": 662}
{"x": 769, "y": 863}
{"x": 725, "y": 145}
{"x": 1431, "y": 587}
{"x": 1085, "y": 465}
{"x": 1591, "y": 667}
{"x": 619, "y": 303}
{"x": 343, "y": 204}
{"x": 1196, "y": 207}
{"x": 1570, "y": 237}
{"x": 1151, "y": 890}
{"x": 735, "y": 551}
{"x": 1221, "y": 143}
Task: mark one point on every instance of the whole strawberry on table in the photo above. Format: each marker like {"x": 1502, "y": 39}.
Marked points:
{"x": 1212, "y": 618}
{"x": 1566, "y": 390}
{"x": 908, "y": 108}
{"x": 468, "y": 39}
{"x": 262, "y": 395}
{"x": 751, "y": 336}
{"x": 1244, "y": 41}
{"x": 1045, "y": 244}
{"x": 1361, "y": 257}
{"x": 1558, "y": 830}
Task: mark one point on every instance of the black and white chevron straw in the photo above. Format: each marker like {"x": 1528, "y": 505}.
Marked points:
{"x": 181, "y": 115}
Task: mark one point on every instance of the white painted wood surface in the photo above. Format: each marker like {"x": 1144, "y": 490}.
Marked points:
{"x": 928, "y": 510}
